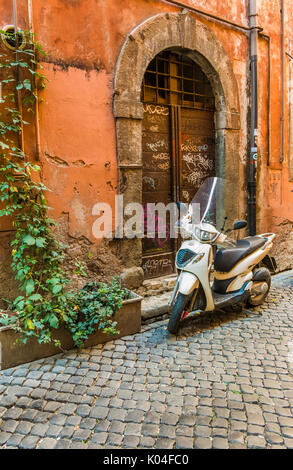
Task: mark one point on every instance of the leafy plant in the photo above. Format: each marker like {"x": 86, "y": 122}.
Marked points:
{"x": 92, "y": 307}
{"x": 37, "y": 257}
{"x": 80, "y": 269}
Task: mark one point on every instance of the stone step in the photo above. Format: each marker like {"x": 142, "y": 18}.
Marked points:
{"x": 155, "y": 306}
{"x": 158, "y": 285}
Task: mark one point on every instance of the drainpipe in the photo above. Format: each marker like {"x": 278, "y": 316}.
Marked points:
{"x": 283, "y": 78}
{"x": 37, "y": 119}
{"x": 254, "y": 119}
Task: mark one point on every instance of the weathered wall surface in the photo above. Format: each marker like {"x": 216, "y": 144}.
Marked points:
{"x": 83, "y": 41}
{"x": 275, "y": 193}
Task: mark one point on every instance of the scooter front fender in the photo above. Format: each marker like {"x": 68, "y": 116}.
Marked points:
{"x": 200, "y": 270}
{"x": 187, "y": 282}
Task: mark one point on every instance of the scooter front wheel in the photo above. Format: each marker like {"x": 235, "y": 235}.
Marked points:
{"x": 176, "y": 312}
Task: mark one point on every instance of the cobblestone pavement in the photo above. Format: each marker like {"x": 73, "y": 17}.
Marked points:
{"x": 225, "y": 382}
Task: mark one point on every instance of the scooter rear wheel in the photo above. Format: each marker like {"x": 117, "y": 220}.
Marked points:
{"x": 176, "y": 312}
{"x": 262, "y": 284}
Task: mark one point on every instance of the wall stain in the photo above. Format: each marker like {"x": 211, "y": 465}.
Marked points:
{"x": 73, "y": 3}
{"x": 77, "y": 63}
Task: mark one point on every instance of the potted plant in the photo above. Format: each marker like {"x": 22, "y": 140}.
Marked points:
{"x": 97, "y": 313}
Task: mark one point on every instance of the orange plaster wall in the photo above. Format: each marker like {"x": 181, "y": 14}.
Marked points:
{"x": 78, "y": 145}
{"x": 83, "y": 41}
{"x": 275, "y": 196}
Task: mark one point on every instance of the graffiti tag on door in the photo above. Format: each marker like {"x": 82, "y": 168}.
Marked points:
{"x": 156, "y": 267}
{"x": 152, "y": 219}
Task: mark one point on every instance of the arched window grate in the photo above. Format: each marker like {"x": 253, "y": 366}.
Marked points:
{"x": 173, "y": 78}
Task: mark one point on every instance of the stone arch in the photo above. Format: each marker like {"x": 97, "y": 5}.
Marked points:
{"x": 160, "y": 32}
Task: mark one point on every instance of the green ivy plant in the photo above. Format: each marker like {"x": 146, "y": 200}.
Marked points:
{"x": 37, "y": 257}
{"x": 93, "y": 307}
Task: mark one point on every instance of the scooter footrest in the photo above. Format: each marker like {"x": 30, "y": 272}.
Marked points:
{"x": 223, "y": 300}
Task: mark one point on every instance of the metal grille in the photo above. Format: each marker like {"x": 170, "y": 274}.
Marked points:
{"x": 172, "y": 78}
{"x": 184, "y": 256}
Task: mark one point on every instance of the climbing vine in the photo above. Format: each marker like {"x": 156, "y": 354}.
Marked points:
{"x": 44, "y": 304}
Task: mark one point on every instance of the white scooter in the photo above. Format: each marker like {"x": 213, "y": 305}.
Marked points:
{"x": 238, "y": 279}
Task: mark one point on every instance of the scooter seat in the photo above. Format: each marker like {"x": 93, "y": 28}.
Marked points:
{"x": 227, "y": 258}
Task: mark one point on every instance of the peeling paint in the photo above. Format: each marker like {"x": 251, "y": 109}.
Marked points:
{"x": 56, "y": 161}
{"x": 79, "y": 163}
{"x": 110, "y": 186}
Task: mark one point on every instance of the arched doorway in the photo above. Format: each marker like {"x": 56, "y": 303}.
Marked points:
{"x": 181, "y": 32}
{"x": 178, "y": 144}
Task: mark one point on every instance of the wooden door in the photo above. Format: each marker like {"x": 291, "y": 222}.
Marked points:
{"x": 158, "y": 251}
{"x": 197, "y": 153}
{"x": 178, "y": 144}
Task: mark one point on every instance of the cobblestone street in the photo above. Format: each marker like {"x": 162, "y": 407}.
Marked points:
{"x": 225, "y": 382}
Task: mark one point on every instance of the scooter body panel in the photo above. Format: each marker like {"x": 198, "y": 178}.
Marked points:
{"x": 196, "y": 272}
{"x": 244, "y": 266}
{"x": 240, "y": 280}
{"x": 187, "y": 283}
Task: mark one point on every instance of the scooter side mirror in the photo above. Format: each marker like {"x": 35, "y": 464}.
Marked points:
{"x": 239, "y": 224}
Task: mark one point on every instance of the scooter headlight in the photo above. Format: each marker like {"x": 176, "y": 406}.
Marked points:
{"x": 203, "y": 235}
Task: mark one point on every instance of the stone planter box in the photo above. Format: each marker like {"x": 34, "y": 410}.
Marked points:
{"x": 12, "y": 354}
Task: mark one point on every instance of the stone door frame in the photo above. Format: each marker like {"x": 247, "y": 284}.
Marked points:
{"x": 183, "y": 32}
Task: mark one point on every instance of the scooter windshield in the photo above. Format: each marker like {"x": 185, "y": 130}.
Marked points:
{"x": 208, "y": 203}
